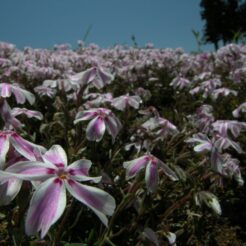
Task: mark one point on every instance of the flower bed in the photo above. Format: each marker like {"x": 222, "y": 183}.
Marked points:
{"x": 122, "y": 146}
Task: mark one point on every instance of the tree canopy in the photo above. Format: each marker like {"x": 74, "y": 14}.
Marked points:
{"x": 225, "y": 20}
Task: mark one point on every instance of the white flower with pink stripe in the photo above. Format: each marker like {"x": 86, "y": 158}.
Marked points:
{"x": 151, "y": 165}
{"x": 20, "y": 94}
{"x": 101, "y": 119}
{"x": 49, "y": 199}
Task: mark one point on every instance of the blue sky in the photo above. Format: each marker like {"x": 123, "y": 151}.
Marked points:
{"x": 43, "y": 23}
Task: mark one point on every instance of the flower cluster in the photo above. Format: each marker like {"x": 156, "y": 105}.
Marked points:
{"x": 134, "y": 113}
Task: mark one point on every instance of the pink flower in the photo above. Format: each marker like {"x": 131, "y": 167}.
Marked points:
{"x": 204, "y": 118}
{"x": 238, "y": 110}
{"x": 231, "y": 168}
{"x": 151, "y": 165}
{"x": 209, "y": 199}
{"x": 207, "y": 87}
{"x": 223, "y": 92}
{"x": 101, "y": 119}
{"x": 223, "y": 126}
{"x": 95, "y": 76}
{"x": 222, "y": 142}
{"x": 45, "y": 91}
{"x": 97, "y": 99}
{"x": 180, "y": 83}
{"x": 25, "y": 148}
{"x": 27, "y": 112}
{"x": 15, "y": 148}
{"x": 203, "y": 142}
{"x": 163, "y": 126}
{"x": 20, "y": 94}
{"x": 49, "y": 199}
{"x": 60, "y": 84}
{"x": 8, "y": 115}
{"x": 10, "y": 188}
{"x": 123, "y": 102}
{"x": 215, "y": 146}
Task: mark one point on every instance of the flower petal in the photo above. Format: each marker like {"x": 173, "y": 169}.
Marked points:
{"x": 31, "y": 170}
{"x": 85, "y": 115}
{"x": 119, "y": 103}
{"x": 151, "y": 176}
{"x": 216, "y": 160}
{"x": 5, "y": 176}
{"x": 28, "y": 113}
{"x": 95, "y": 129}
{"x": 105, "y": 76}
{"x": 134, "y": 101}
{"x": 168, "y": 171}
{"x": 96, "y": 199}
{"x": 113, "y": 126}
{"x": 134, "y": 166}
{"x": 22, "y": 95}
{"x": 56, "y": 155}
{"x": 80, "y": 171}
{"x": 9, "y": 190}
{"x": 46, "y": 207}
{"x": 8, "y": 118}
{"x": 26, "y": 148}
{"x": 203, "y": 146}
{"x": 98, "y": 82}
{"x": 4, "y": 148}
{"x": 5, "y": 90}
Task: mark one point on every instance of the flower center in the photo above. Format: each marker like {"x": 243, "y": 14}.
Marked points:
{"x": 61, "y": 173}
{"x": 101, "y": 115}
{"x": 152, "y": 159}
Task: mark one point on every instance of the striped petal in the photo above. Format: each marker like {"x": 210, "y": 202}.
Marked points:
{"x": 85, "y": 115}
{"x": 105, "y": 76}
{"x": 31, "y": 170}
{"x": 98, "y": 82}
{"x": 28, "y": 113}
{"x": 56, "y": 155}
{"x": 168, "y": 171}
{"x": 46, "y": 207}
{"x": 80, "y": 171}
{"x": 113, "y": 126}
{"x": 5, "y": 90}
{"x": 26, "y": 148}
{"x": 203, "y": 146}
{"x": 95, "y": 129}
{"x": 88, "y": 75}
{"x": 119, "y": 103}
{"x": 4, "y": 148}
{"x": 5, "y": 176}
{"x": 134, "y": 101}
{"x": 134, "y": 166}
{"x": 9, "y": 190}
{"x": 96, "y": 199}
{"x": 151, "y": 177}
{"x": 22, "y": 95}
{"x": 216, "y": 160}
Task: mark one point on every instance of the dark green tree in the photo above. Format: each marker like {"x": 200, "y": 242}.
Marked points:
{"x": 231, "y": 25}
{"x": 242, "y": 17}
{"x": 225, "y": 20}
{"x": 213, "y": 14}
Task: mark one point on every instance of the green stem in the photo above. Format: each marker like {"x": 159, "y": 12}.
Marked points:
{"x": 106, "y": 234}
{"x": 110, "y": 242}
{"x": 126, "y": 199}
{"x": 176, "y": 205}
